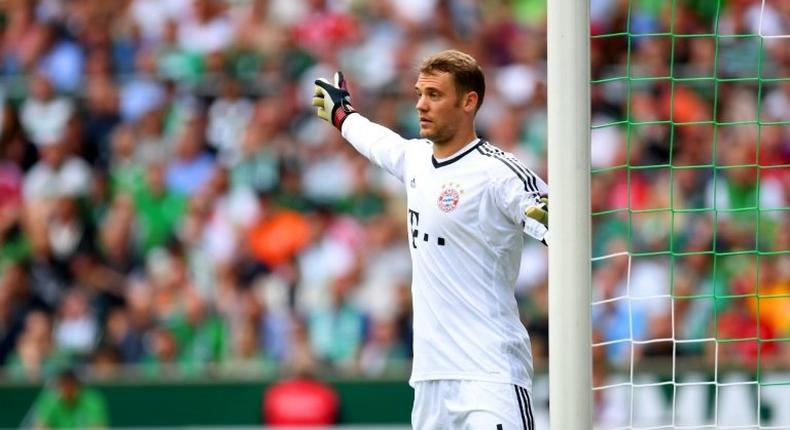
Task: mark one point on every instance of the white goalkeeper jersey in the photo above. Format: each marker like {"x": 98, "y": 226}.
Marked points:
{"x": 466, "y": 224}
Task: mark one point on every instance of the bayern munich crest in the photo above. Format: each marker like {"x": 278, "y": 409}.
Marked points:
{"x": 449, "y": 197}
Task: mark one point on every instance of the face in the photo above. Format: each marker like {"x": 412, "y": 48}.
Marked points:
{"x": 440, "y": 108}
{"x": 69, "y": 389}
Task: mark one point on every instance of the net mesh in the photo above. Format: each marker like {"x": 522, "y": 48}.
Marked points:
{"x": 691, "y": 229}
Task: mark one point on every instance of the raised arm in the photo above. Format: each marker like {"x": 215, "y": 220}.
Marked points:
{"x": 379, "y": 144}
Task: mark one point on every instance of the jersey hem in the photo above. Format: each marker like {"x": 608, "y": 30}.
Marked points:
{"x": 469, "y": 377}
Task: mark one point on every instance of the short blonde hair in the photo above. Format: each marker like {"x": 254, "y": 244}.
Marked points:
{"x": 466, "y": 72}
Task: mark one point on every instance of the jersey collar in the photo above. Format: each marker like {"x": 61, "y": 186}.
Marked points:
{"x": 458, "y": 155}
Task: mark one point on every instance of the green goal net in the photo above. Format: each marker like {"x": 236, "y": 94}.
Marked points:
{"x": 690, "y": 190}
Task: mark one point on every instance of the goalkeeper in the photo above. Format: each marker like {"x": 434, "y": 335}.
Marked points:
{"x": 469, "y": 205}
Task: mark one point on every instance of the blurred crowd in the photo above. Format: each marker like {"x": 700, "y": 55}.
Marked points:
{"x": 171, "y": 207}
{"x": 690, "y": 185}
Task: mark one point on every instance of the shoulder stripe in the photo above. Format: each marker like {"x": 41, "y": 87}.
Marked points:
{"x": 519, "y": 165}
{"x": 530, "y": 184}
{"x": 518, "y": 173}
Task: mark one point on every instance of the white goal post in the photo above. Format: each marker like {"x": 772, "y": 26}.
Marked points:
{"x": 570, "y": 356}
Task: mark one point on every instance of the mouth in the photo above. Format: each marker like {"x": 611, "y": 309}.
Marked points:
{"x": 425, "y": 121}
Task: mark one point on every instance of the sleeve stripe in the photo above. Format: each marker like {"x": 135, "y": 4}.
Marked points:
{"x": 526, "y": 176}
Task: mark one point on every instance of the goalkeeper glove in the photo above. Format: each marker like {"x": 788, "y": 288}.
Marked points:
{"x": 333, "y": 102}
{"x": 540, "y": 211}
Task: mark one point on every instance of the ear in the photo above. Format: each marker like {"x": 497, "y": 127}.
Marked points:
{"x": 470, "y": 101}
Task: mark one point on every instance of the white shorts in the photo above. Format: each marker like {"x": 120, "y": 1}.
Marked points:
{"x": 461, "y": 404}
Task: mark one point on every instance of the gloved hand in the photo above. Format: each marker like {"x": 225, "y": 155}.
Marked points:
{"x": 333, "y": 102}
{"x": 539, "y": 212}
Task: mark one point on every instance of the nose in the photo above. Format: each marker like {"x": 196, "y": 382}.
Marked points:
{"x": 422, "y": 104}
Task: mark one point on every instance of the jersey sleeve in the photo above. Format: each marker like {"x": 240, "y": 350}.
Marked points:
{"x": 517, "y": 189}
{"x": 380, "y": 145}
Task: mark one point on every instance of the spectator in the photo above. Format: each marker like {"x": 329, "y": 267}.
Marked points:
{"x": 258, "y": 166}
{"x": 383, "y": 352}
{"x": 123, "y": 335}
{"x": 175, "y": 63}
{"x": 34, "y": 357}
{"x": 17, "y": 301}
{"x": 143, "y": 93}
{"x": 278, "y": 236}
{"x": 70, "y": 405}
{"x": 61, "y": 59}
{"x": 44, "y": 115}
{"x": 151, "y": 16}
{"x": 202, "y": 336}
{"x": 14, "y": 245}
{"x": 165, "y": 360}
{"x": 230, "y": 213}
{"x": 157, "y": 209}
{"x": 105, "y": 364}
{"x": 257, "y": 30}
{"x": 336, "y": 332}
{"x": 247, "y": 358}
{"x": 206, "y": 29}
{"x": 102, "y": 116}
{"x": 191, "y": 167}
{"x": 21, "y": 38}
{"x": 57, "y": 173}
{"x": 228, "y": 116}
{"x": 76, "y": 330}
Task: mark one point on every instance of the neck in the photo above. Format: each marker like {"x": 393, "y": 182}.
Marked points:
{"x": 450, "y": 147}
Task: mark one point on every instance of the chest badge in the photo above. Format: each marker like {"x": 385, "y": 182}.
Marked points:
{"x": 449, "y": 196}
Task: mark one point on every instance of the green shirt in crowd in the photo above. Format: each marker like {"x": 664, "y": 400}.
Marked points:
{"x": 87, "y": 410}
{"x": 158, "y": 216}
